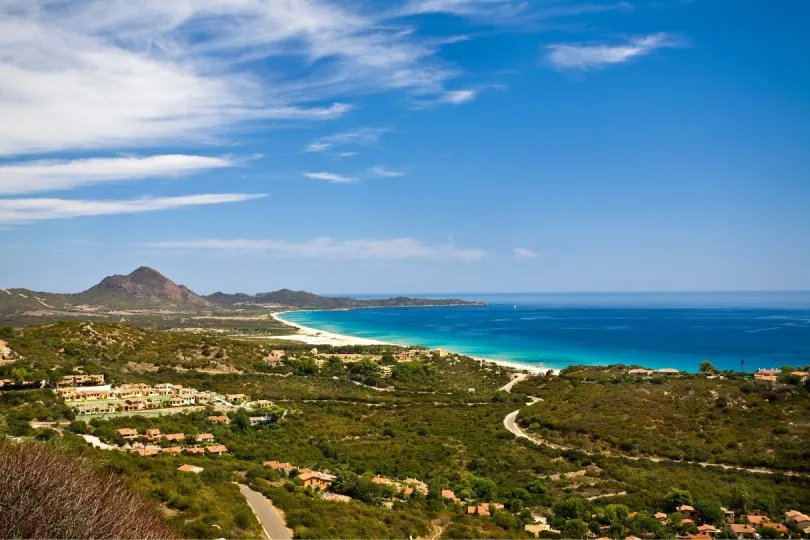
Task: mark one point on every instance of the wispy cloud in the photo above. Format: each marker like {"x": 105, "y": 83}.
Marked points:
{"x": 331, "y": 248}
{"x": 585, "y": 56}
{"x": 356, "y": 137}
{"x": 331, "y": 177}
{"x": 26, "y": 210}
{"x": 40, "y": 176}
{"x": 457, "y": 97}
{"x": 382, "y": 171}
{"x": 346, "y": 154}
{"x": 524, "y": 254}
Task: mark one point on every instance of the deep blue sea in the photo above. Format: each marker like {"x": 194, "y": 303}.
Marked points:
{"x": 654, "y": 330}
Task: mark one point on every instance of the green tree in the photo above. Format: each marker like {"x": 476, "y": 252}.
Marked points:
{"x": 707, "y": 367}
{"x": 739, "y": 499}
{"x": 574, "y": 528}
{"x": 709, "y": 512}
{"x": 19, "y": 375}
{"x": 676, "y": 497}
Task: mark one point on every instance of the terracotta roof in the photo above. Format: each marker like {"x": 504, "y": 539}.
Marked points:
{"x": 216, "y": 449}
{"x": 757, "y": 520}
{"x": 447, "y": 494}
{"x": 685, "y": 508}
{"x": 189, "y": 468}
{"x": 738, "y": 528}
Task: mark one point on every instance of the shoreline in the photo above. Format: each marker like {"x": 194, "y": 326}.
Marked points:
{"x": 313, "y": 336}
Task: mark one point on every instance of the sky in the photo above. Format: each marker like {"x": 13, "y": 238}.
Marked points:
{"x": 406, "y": 146}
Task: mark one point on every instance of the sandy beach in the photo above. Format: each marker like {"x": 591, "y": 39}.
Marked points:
{"x": 313, "y": 336}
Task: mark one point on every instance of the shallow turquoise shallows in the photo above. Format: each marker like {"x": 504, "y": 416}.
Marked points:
{"x": 556, "y": 330}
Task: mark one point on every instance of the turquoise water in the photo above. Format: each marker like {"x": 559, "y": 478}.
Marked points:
{"x": 557, "y": 330}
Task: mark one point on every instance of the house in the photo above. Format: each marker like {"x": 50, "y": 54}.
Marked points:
{"x": 660, "y": 516}
{"x": 667, "y": 371}
{"x": 686, "y": 511}
{"x": 536, "y": 528}
{"x": 802, "y": 375}
{"x": 202, "y": 398}
{"x": 152, "y": 434}
{"x": 75, "y": 380}
{"x": 275, "y": 358}
{"x": 640, "y": 371}
{"x": 778, "y": 527}
{"x": 148, "y": 451}
{"x": 205, "y": 437}
{"x": 172, "y": 450}
{"x": 174, "y": 437}
{"x": 236, "y": 398}
{"x": 262, "y": 404}
{"x": 316, "y": 480}
{"x": 176, "y": 401}
{"x": 133, "y": 404}
{"x": 190, "y": 468}
{"x": 284, "y": 468}
{"x": 441, "y": 352}
{"x": 194, "y": 450}
{"x": 448, "y": 494}
{"x": 217, "y": 449}
{"x": 256, "y": 420}
{"x": 418, "y": 485}
{"x": 187, "y": 397}
{"x": 126, "y": 433}
{"x": 757, "y": 520}
{"x": 765, "y": 377}
{"x": 741, "y": 530}
{"x": 218, "y": 419}
{"x": 707, "y": 529}
{"x": 728, "y": 515}
{"x": 801, "y": 520}
{"x": 154, "y": 404}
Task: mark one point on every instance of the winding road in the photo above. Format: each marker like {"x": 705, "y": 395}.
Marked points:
{"x": 510, "y": 423}
{"x": 273, "y": 525}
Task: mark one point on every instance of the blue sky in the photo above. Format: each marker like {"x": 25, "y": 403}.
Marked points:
{"x": 406, "y": 146}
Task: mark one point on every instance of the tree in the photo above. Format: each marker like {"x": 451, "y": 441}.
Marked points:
{"x": 738, "y": 500}
{"x": 484, "y": 488}
{"x": 707, "y": 367}
{"x": 241, "y": 420}
{"x": 571, "y": 508}
{"x": 769, "y": 532}
{"x": 365, "y": 371}
{"x": 676, "y": 497}
{"x": 709, "y": 512}
{"x": 574, "y": 528}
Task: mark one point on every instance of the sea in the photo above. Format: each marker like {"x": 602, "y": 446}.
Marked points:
{"x": 735, "y": 331}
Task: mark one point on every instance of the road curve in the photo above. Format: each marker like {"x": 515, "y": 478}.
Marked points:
{"x": 273, "y": 525}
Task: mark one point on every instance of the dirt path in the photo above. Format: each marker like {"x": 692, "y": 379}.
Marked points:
{"x": 516, "y": 379}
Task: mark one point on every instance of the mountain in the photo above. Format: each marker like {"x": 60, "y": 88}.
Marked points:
{"x": 143, "y": 287}
{"x": 148, "y": 289}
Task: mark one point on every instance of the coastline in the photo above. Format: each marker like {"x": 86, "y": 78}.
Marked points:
{"x": 313, "y": 336}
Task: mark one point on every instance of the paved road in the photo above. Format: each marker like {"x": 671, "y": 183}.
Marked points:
{"x": 517, "y": 378}
{"x": 269, "y": 517}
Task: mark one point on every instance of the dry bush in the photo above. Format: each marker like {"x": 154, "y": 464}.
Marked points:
{"x": 45, "y": 493}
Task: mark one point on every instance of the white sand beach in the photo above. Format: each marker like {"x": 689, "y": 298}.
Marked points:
{"x": 312, "y": 336}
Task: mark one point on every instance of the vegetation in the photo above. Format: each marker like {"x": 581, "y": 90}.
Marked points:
{"x": 689, "y": 417}
{"x": 50, "y": 494}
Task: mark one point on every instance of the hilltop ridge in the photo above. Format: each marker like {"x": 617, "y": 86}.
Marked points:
{"x": 147, "y": 289}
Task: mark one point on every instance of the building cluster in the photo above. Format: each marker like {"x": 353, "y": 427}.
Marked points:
{"x": 144, "y": 444}
{"x": 320, "y": 480}
{"x": 406, "y": 487}
{"x": 771, "y": 375}
{"x": 483, "y": 509}
{"x": 130, "y": 397}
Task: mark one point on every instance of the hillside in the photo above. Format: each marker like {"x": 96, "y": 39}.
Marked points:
{"x": 147, "y": 290}
{"x": 691, "y": 417}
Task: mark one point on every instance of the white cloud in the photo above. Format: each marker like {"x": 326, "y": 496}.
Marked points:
{"x": 318, "y": 147}
{"x": 346, "y": 154}
{"x": 384, "y": 172}
{"x": 24, "y": 210}
{"x": 580, "y": 56}
{"x": 39, "y": 176}
{"x": 357, "y": 137}
{"x": 330, "y": 248}
{"x": 117, "y": 73}
{"x": 524, "y": 254}
{"x": 457, "y": 97}
{"x": 331, "y": 177}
